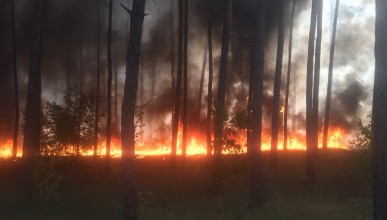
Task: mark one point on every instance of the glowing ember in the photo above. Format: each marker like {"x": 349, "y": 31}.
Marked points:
{"x": 196, "y": 145}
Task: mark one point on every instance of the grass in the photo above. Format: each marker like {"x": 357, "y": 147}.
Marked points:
{"x": 342, "y": 190}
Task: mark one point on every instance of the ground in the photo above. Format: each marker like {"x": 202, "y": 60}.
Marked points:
{"x": 342, "y": 190}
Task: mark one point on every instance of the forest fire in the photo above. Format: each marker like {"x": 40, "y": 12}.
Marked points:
{"x": 196, "y": 145}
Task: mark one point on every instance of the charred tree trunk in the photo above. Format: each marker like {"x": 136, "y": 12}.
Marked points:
{"x": 257, "y": 69}
{"x": 221, "y": 95}
{"x": 185, "y": 91}
{"x": 288, "y": 78}
{"x": 172, "y": 55}
{"x": 310, "y": 170}
{"x": 202, "y": 82}
{"x": 210, "y": 75}
{"x": 97, "y": 99}
{"x": 176, "y": 114}
{"x": 32, "y": 127}
{"x": 109, "y": 83}
{"x": 15, "y": 83}
{"x": 316, "y": 83}
{"x": 129, "y": 203}
{"x": 330, "y": 76}
{"x": 277, "y": 89}
{"x": 379, "y": 120}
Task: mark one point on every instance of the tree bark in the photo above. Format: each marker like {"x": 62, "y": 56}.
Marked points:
{"x": 316, "y": 83}
{"x": 210, "y": 75}
{"x": 96, "y": 120}
{"x": 15, "y": 82}
{"x": 32, "y": 127}
{"x": 221, "y": 95}
{"x": 202, "y": 82}
{"x": 173, "y": 77}
{"x": 109, "y": 83}
{"x": 310, "y": 171}
{"x": 288, "y": 78}
{"x": 129, "y": 203}
{"x": 185, "y": 91}
{"x": 176, "y": 116}
{"x": 257, "y": 70}
{"x": 330, "y": 77}
{"x": 379, "y": 120}
{"x": 277, "y": 88}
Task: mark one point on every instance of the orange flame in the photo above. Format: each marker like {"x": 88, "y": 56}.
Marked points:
{"x": 196, "y": 146}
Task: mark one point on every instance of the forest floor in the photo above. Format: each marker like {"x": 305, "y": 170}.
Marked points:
{"x": 342, "y": 190}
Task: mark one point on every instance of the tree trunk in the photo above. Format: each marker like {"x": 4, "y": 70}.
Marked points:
{"x": 172, "y": 55}
{"x": 129, "y": 203}
{"x": 330, "y": 76}
{"x": 379, "y": 120}
{"x": 202, "y": 82}
{"x": 257, "y": 70}
{"x": 221, "y": 95}
{"x": 277, "y": 89}
{"x": 309, "y": 97}
{"x": 316, "y": 83}
{"x": 176, "y": 116}
{"x": 15, "y": 81}
{"x": 96, "y": 120}
{"x": 288, "y": 79}
{"x": 32, "y": 127}
{"x": 185, "y": 91}
{"x": 152, "y": 86}
{"x": 109, "y": 89}
{"x": 210, "y": 75}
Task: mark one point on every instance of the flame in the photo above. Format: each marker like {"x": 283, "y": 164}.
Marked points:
{"x": 196, "y": 145}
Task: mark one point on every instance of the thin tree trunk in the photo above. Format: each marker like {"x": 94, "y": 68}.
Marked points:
{"x": 153, "y": 85}
{"x": 15, "y": 81}
{"x": 221, "y": 95}
{"x": 379, "y": 120}
{"x": 316, "y": 83}
{"x": 96, "y": 120}
{"x": 288, "y": 78}
{"x": 202, "y": 81}
{"x": 257, "y": 69}
{"x": 176, "y": 116}
{"x": 129, "y": 203}
{"x": 172, "y": 55}
{"x": 330, "y": 76}
{"x": 277, "y": 89}
{"x": 185, "y": 91}
{"x": 109, "y": 85}
{"x": 210, "y": 75}
{"x": 310, "y": 170}
{"x": 116, "y": 118}
{"x": 32, "y": 127}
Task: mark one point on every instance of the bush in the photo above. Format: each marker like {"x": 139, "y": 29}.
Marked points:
{"x": 363, "y": 139}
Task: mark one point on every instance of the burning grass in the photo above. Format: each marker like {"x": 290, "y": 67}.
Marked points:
{"x": 342, "y": 191}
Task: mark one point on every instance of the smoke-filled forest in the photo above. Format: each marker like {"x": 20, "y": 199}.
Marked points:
{"x": 201, "y": 109}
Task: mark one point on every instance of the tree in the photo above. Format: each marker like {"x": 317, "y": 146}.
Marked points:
{"x": 309, "y": 96}
{"x": 109, "y": 84}
{"x": 185, "y": 82}
{"x": 202, "y": 81}
{"x": 129, "y": 203}
{"x": 330, "y": 76}
{"x": 172, "y": 54}
{"x": 316, "y": 78}
{"x": 220, "y": 114}
{"x": 176, "y": 114}
{"x": 210, "y": 73}
{"x": 98, "y": 80}
{"x": 15, "y": 82}
{"x": 288, "y": 78}
{"x": 31, "y": 142}
{"x": 257, "y": 69}
{"x": 277, "y": 88}
{"x": 379, "y": 115}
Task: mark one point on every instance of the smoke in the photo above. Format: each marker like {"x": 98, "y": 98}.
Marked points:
{"x": 69, "y": 52}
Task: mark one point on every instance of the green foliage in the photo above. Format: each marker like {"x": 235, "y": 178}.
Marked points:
{"x": 363, "y": 139}
{"x": 68, "y": 127}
